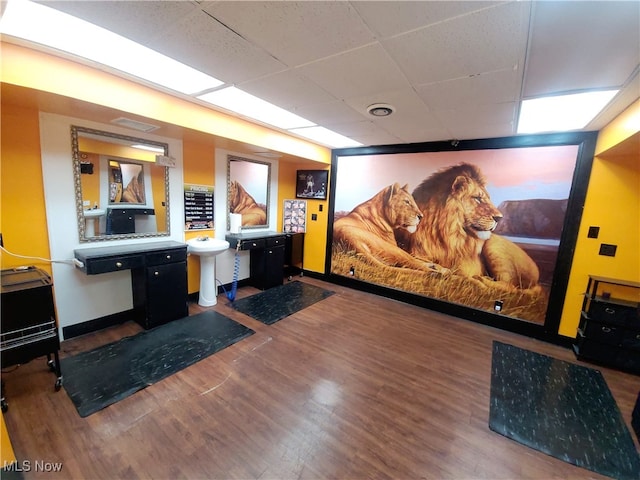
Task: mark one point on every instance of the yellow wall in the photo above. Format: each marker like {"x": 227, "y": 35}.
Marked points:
{"x": 23, "y": 221}
{"x": 199, "y": 169}
{"x": 613, "y": 204}
{"x": 315, "y": 238}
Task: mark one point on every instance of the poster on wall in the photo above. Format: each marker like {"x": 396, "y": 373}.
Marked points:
{"x": 198, "y": 207}
{"x": 294, "y": 219}
{"x": 478, "y": 228}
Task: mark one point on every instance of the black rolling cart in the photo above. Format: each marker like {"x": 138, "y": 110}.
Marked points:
{"x": 28, "y": 328}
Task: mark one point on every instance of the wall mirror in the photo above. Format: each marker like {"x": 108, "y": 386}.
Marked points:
{"x": 248, "y": 184}
{"x": 120, "y": 191}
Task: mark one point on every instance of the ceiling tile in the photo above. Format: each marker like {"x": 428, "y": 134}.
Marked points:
{"x": 468, "y": 122}
{"x": 485, "y": 41}
{"x": 288, "y": 89}
{"x": 487, "y": 88}
{"x": 363, "y": 71}
{"x": 329, "y": 114}
{"x": 203, "y": 43}
{"x": 580, "y": 45}
{"x": 135, "y": 20}
{"x": 295, "y": 32}
{"x": 367, "y": 133}
{"x": 390, "y": 18}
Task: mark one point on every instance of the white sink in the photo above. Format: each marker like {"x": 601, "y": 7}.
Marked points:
{"x": 207, "y": 248}
{"x": 89, "y": 220}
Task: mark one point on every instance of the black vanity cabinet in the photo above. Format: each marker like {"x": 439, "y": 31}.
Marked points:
{"x": 609, "y": 330}
{"x": 158, "y": 277}
{"x": 267, "y": 256}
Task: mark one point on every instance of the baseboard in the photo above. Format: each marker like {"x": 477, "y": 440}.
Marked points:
{"x": 97, "y": 324}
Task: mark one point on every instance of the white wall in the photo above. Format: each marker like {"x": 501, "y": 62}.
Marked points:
{"x": 79, "y": 297}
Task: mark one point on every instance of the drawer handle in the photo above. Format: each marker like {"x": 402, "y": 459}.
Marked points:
{"x": 606, "y": 329}
{"x": 254, "y": 244}
{"x": 610, "y": 311}
{"x": 168, "y": 257}
{"x": 118, "y": 264}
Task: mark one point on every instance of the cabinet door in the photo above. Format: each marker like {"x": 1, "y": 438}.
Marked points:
{"x": 267, "y": 267}
{"x": 166, "y": 293}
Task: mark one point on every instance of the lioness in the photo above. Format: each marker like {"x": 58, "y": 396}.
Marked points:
{"x": 369, "y": 228}
{"x": 241, "y": 202}
{"x": 458, "y": 234}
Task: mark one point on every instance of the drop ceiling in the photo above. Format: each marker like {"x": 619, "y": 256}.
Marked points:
{"x": 451, "y": 70}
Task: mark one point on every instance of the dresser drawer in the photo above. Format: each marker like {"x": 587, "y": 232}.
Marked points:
{"x": 113, "y": 264}
{"x": 605, "y": 333}
{"x": 166, "y": 256}
{"x": 631, "y": 339}
{"x": 275, "y": 241}
{"x": 612, "y": 312}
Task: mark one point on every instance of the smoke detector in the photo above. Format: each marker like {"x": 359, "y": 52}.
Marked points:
{"x": 380, "y": 109}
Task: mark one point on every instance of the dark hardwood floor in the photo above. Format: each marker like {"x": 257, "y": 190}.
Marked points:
{"x": 353, "y": 387}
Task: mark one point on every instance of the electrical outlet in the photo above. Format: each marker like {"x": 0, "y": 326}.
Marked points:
{"x": 593, "y": 232}
{"x": 314, "y": 217}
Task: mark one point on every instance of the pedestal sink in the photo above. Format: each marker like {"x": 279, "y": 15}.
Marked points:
{"x": 207, "y": 248}
{"x": 90, "y": 217}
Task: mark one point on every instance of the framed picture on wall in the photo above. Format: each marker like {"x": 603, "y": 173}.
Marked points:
{"x": 312, "y": 184}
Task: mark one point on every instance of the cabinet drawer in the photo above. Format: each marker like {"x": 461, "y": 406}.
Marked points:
{"x": 166, "y": 256}
{"x": 275, "y": 241}
{"x": 631, "y": 339}
{"x": 113, "y": 264}
{"x": 611, "y": 312}
{"x": 252, "y": 244}
{"x": 605, "y": 333}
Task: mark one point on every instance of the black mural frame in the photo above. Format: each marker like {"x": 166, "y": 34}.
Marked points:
{"x": 586, "y": 142}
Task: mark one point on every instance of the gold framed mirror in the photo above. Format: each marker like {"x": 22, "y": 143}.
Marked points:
{"x": 120, "y": 191}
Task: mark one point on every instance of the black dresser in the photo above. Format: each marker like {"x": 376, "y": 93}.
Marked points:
{"x": 158, "y": 277}
{"x": 609, "y": 329}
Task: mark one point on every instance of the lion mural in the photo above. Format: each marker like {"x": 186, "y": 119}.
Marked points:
{"x": 369, "y": 228}
{"x": 458, "y": 233}
{"x": 241, "y": 202}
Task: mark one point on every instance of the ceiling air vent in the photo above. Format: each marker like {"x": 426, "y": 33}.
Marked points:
{"x": 134, "y": 124}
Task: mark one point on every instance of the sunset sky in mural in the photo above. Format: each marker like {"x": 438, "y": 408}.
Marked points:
{"x": 511, "y": 174}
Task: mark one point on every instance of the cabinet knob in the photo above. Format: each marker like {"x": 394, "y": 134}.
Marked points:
{"x": 255, "y": 244}
{"x": 118, "y": 264}
{"x": 168, "y": 257}
{"x": 156, "y": 273}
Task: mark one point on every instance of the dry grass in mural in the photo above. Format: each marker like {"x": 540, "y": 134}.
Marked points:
{"x": 524, "y": 304}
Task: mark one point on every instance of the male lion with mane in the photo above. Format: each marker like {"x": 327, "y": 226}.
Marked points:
{"x": 241, "y": 202}
{"x": 459, "y": 235}
{"x": 369, "y": 228}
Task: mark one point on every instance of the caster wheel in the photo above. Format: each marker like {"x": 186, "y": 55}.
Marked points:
{"x": 4, "y": 406}
{"x": 302, "y": 274}
{"x": 52, "y": 365}
{"x": 58, "y": 384}
{"x": 290, "y": 278}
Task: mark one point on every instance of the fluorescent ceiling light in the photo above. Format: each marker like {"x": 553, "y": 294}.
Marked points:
{"x": 562, "y": 112}
{"x": 326, "y": 137}
{"x": 241, "y": 102}
{"x": 46, "y": 26}
{"x": 149, "y": 148}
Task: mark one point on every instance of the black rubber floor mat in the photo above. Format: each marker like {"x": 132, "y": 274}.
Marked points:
{"x": 108, "y": 374}
{"x": 561, "y": 409}
{"x": 279, "y": 302}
